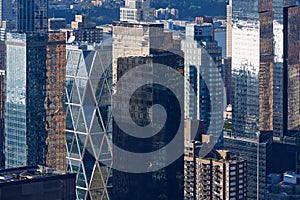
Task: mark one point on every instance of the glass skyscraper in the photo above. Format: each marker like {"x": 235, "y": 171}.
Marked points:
{"x": 203, "y": 70}
{"x": 251, "y": 28}
{"x": 32, "y": 15}
{"x": 136, "y": 44}
{"x": 89, "y": 122}
{"x": 291, "y": 69}
{"x": 2, "y": 102}
{"x": 25, "y": 141}
{"x": 245, "y": 103}
{"x": 166, "y": 182}
{"x": 34, "y": 111}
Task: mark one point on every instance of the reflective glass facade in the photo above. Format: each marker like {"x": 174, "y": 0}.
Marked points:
{"x": 203, "y": 69}
{"x": 32, "y": 15}
{"x": 25, "y": 15}
{"x": 24, "y": 104}
{"x": 266, "y": 67}
{"x": 252, "y": 64}
{"x": 164, "y": 183}
{"x": 89, "y": 127}
{"x": 2, "y": 102}
{"x": 245, "y": 103}
{"x": 291, "y": 69}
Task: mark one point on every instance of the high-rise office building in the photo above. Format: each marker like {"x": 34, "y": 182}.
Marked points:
{"x": 137, "y": 10}
{"x": 280, "y": 128}
{"x": 165, "y": 182}
{"x": 41, "y": 15}
{"x": 32, "y": 15}
{"x": 252, "y": 48}
{"x": 245, "y": 84}
{"x": 25, "y": 140}
{"x": 2, "y": 102}
{"x": 203, "y": 69}
{"x": 245, "y": 102}
{"x": 89, "y": 122}
{"x": 25, "y": 15}
{"x": 137, "y": 43}
{"x": 220, "y": 175}
{"x": 266, "y": 65}
{"x": 291, "y": 77}
{"x": 135, "y": 39}
{"x": 291, "y": 67}
{"x": 34, "y": 110}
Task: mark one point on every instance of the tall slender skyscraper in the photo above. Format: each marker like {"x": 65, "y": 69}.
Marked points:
{"x": 35, "y": 77}
{"x": 2, "y": 102}
{"x": 89, "y": 122}
{"x": 164, "y": 183}
{"x": 252, "y": 52}
{"x": 229, "y": 29}
{"x": 203, "y": 70}
{"x": 54, "y": 102}
{"x": 265, "y": 10}
{"x": 291, "y": 69}
{"x": 25, "y": 140}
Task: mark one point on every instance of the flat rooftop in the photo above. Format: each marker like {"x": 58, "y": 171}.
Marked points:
{"x": 28, "y": 173}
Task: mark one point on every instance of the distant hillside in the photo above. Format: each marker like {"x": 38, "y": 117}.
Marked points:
{"x": 192, "y": 8}
{"x": 188, "y": 9}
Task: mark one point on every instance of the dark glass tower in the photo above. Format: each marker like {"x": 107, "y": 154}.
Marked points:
{"x": 165, "y": 183}
{"x": 25, "y": 15}
{"x": 32, "y": 15}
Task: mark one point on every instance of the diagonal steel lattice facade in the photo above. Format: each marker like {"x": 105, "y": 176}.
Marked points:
{"x": 88, "y": 132}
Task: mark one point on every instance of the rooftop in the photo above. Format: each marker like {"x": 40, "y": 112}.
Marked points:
{"x": 28, "y": 173}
